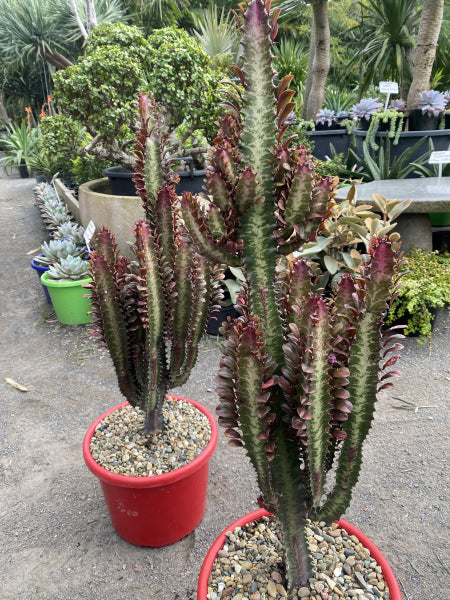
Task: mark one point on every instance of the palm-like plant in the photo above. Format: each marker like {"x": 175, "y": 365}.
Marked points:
{"x": 390, "y": 27}
{"x": 31, "y": 29}
{"x": 217, "y": 32}
{"x": 300, "y": 370}
{"x": 46, "y": 30}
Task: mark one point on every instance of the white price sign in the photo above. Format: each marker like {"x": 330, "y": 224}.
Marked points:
{"x": 388, "y": 87}
{"x": 443, "y": 156}
{"x": 439, "y": 158}
{"x": 88, "y": 233}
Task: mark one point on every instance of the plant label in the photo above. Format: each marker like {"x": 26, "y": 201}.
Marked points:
{"x": 88, "y": 233}
{"x": 439, "y": 158}
{"x": 388, "y": 87}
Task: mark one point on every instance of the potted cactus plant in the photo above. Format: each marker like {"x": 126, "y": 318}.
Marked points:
{"x": 150, "y": 313}
{"x": 300, "y": 369}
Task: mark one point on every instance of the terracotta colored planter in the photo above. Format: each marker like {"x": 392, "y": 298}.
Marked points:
{"x": 161, "y": 509}
{"x": 205, "y": 571}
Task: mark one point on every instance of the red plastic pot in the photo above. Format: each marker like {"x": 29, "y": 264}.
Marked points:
{"x": 161, "y": 509}
{"x": 218, "y": 544}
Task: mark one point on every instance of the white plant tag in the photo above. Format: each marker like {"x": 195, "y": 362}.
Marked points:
{"x": 439, "y": 157}
{"x": 88, "y": 233}
{"x": 388, "y": 87}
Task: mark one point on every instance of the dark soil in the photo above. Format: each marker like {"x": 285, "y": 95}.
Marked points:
{"x": 56, "y": 540}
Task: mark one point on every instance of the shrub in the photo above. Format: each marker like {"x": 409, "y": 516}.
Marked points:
{"x": 425, "y": 286}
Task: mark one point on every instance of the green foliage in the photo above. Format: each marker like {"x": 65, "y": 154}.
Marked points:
{"x": 87, "y": 168}
{"x": 217, "y": 33}
{"x": 339, "y": 99}
{"x": 113, "y": 77}
{"x": 120, "y": 63}
{"x": 33, "y": 29}
{"x": 183, "y": 80}
{"x": 61, "y": 137}
{"x": 377, "y": 164}
{"x": 395, "y": 120}
{"x": 291, "y": 58}
{"x": 425, "y": 285}
{"x": 387, "y": 34}
{"x": 343, "y": 245}
{"x": 19, "y": 144}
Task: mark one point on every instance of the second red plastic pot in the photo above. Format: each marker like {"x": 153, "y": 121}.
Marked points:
{"x": 219, "y": 542}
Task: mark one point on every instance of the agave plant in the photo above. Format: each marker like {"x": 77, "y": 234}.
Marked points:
{"x": 151, "y": 312}
{"x": 72, "y": 268}
{"x": 300, "y": 370}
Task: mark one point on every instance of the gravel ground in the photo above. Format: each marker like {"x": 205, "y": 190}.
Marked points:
{"x": 56, "y": 541}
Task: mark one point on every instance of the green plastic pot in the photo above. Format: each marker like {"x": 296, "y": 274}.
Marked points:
{"x": 440, "y": 219}
{"x": 71, "y": 307}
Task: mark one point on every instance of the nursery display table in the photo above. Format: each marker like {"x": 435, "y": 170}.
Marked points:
{"x": 428, "y": 195}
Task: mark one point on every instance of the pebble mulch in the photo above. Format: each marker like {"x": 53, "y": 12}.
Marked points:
{"x": 119, "y": 445}
{"x": 251, "y": 565}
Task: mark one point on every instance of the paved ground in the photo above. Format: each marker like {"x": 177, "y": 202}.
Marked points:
{"x": 56, "y": 541}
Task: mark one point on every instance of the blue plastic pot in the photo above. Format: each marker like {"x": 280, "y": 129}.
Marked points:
{"x": 39, "y": 270}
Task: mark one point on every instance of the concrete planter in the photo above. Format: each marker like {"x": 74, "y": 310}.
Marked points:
{"x": 117, "y": 213}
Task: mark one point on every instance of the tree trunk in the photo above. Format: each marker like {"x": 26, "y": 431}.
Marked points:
{"x": 54, "y": 58}
{"x": 321, "y": 63}
{"x": 427, "y": 37}
{"x": 309, "y": 72}
{"x": 3, "y": 114}
{"x": 91, "y": 17}
{"x": 78, "y": 19}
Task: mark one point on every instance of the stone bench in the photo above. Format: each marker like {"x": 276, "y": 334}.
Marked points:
{"x": 427, "y": 194}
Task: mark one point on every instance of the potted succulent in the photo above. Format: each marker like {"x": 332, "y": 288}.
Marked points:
{"x": 65, "y": 281}
{"x": 329, "y": 134}
{"x": 363, "y": 110}
{"x": 300, "y": 370}
{"x": 325, "y": 119}
{"x": 51, "y": 253}
{"x": 425, "y": 288}
{"x": 150, "y": 313}
{"x": 429, "y": 110}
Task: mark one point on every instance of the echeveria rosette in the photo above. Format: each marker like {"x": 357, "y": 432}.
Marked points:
{"x": 431, "y": 102}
